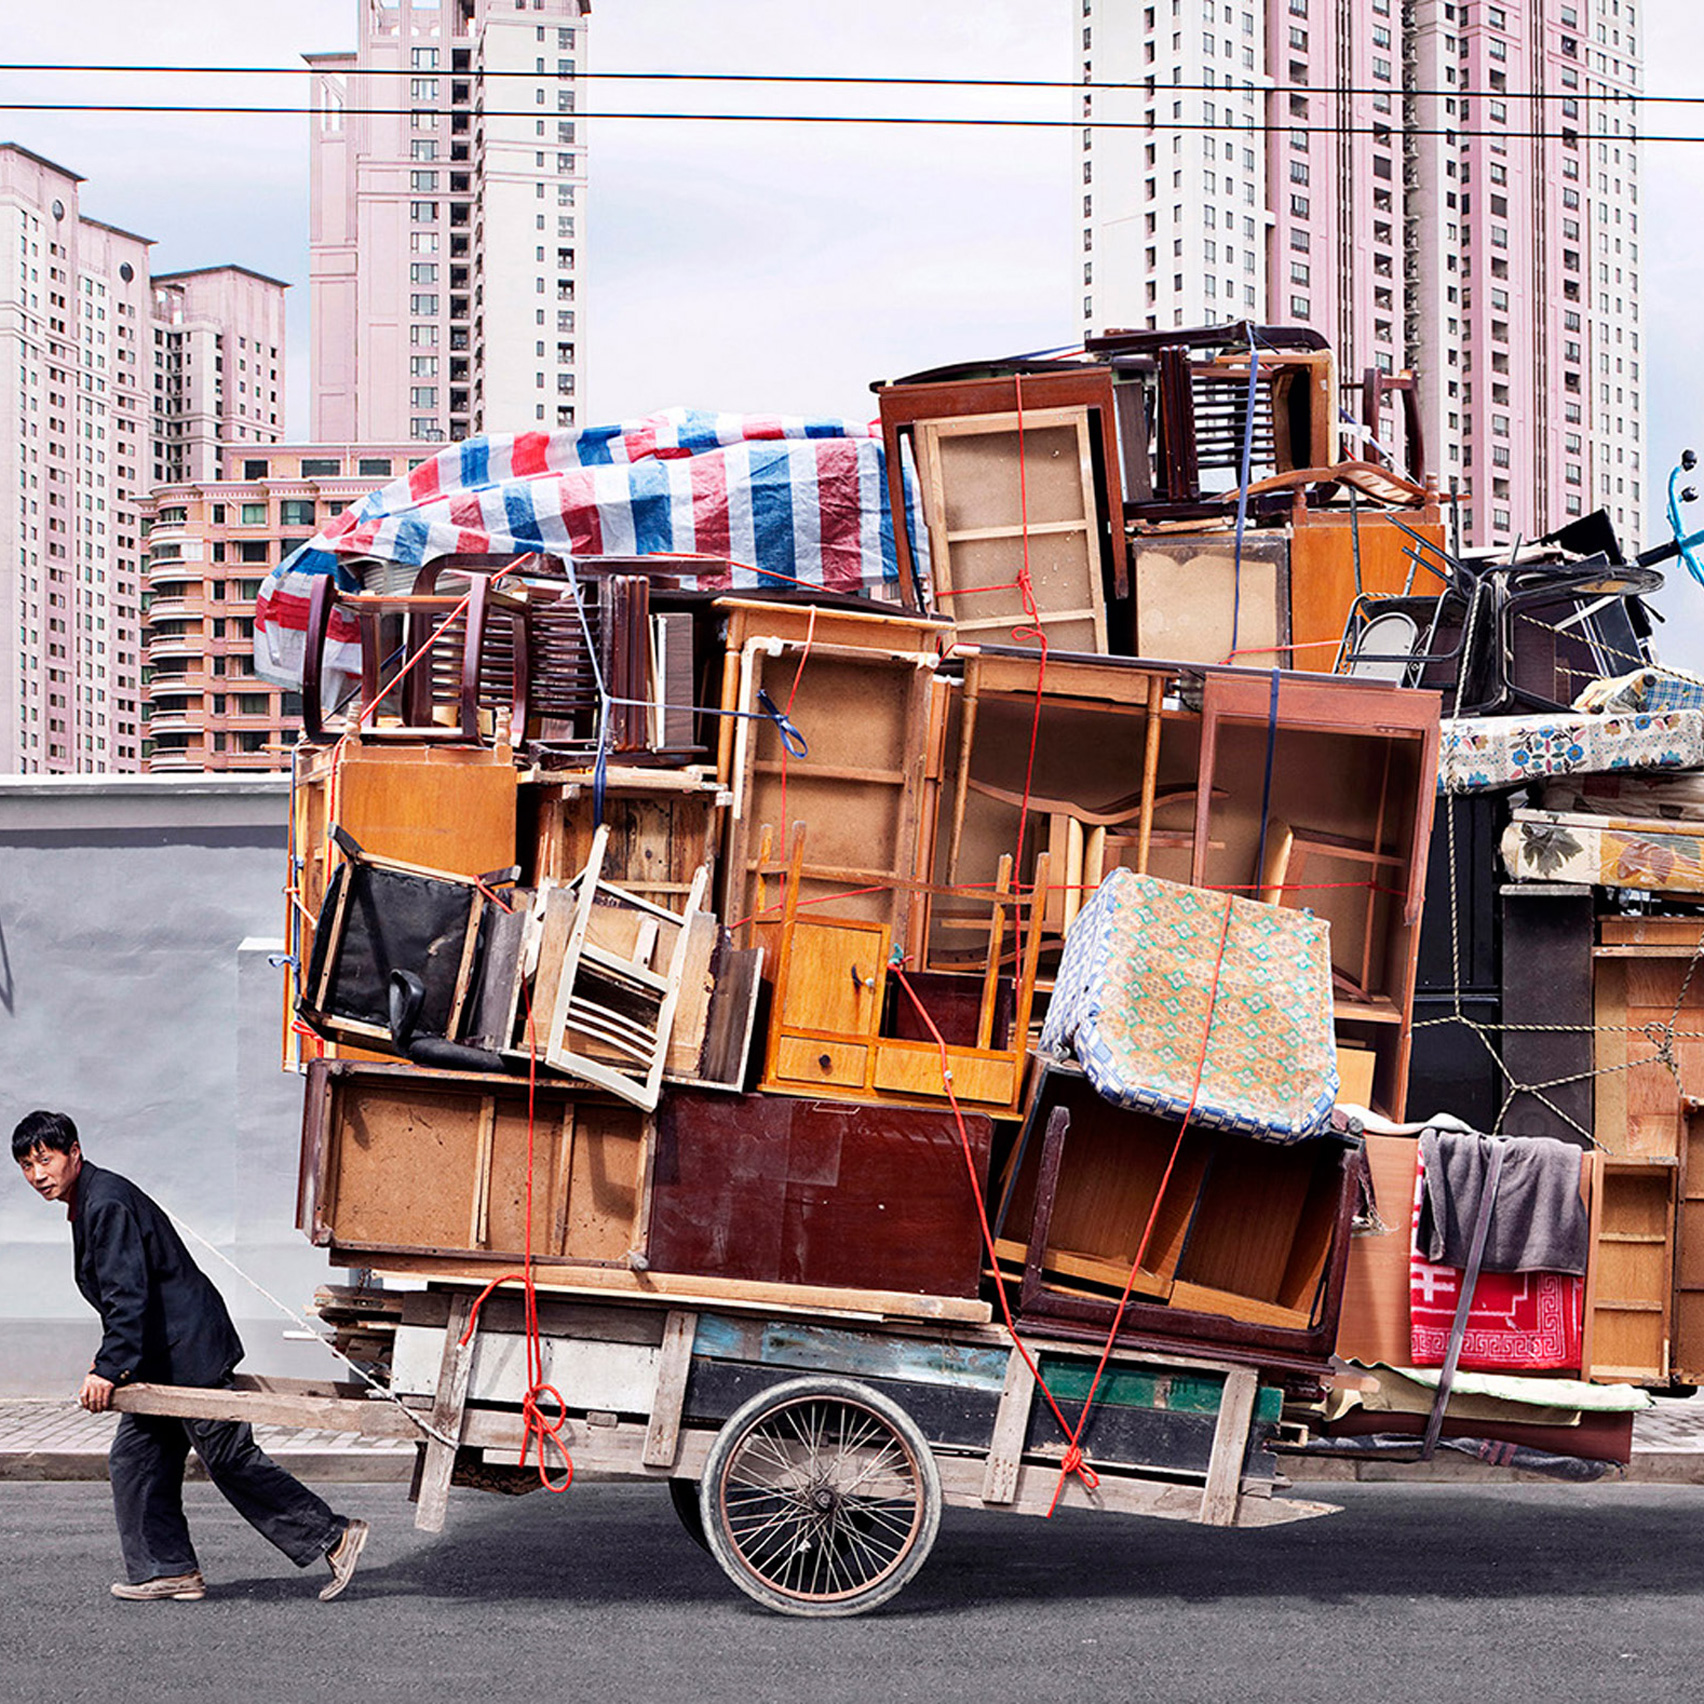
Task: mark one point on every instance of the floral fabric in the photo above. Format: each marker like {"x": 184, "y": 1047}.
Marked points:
{"x": 1482, "y": 753}
{"x": 1145, "y": 997}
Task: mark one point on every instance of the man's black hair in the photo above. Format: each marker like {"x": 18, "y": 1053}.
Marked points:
{"x": 43, "y": 1130}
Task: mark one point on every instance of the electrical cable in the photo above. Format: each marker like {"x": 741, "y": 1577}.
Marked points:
{"x": 1454, "y": 91}
{"x": 1452, "y": 133}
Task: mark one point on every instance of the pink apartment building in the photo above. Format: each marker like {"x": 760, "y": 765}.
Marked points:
{"x": 1443, "y": 186}
{"x": 448, "y": 221}
{"x": 118, "y": 376}
{"x": 210, "y": 543}
{"x": 219, "y": 367}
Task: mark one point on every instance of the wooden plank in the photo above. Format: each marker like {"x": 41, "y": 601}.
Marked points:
{"x": 479, "y": 1232}
{"x": 1033, "y": 1494}
{"x": 1219, "y": 1497}
{"x": 1203, "y": 1298}
{"x": 874, "y": 1352}
{"x": 447, "y": 1409}
{"x": 662, "y": 1437}
{"x": 1011, "y": 1424}
{"x": 270, "y": 1406}
{"x": 666, "y": 1287}
{"x": 617, "y": 1375}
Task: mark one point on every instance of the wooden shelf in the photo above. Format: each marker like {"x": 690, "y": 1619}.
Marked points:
{"x": 1376, "y": 1011}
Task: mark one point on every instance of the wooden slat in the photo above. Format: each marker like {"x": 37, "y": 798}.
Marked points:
{"x": 1219, "y": 1497}
{"x": 720, "y": 1292}
{"x": 447, "y": 1411}
{"x": 1011, "y": 1425}
{"x": 662, "y": 1438}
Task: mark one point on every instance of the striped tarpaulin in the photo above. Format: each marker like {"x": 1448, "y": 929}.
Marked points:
{"x": 789, "y": 499}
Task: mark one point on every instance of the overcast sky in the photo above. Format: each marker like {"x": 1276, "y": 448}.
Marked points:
{"x": 746, "y": 266}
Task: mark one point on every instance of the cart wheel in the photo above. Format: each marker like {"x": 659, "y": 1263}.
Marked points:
{"x": 820, "y": 1497}
{"x": 683, "y": 1493}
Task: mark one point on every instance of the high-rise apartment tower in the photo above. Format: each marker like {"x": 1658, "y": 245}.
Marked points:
{"x": 111, "y": 376}
{"x": 447, "y": 221}
{"x": 1445, "y": 186}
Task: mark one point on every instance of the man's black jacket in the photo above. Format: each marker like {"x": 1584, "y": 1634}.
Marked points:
{"x": 164, "y": 1321}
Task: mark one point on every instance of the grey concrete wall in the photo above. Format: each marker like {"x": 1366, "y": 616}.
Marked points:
{"x": 137, "y": 917}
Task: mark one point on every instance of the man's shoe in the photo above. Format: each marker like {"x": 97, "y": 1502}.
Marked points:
{"x": 342, "y": 1557}
{"x": 185, "y": 1587}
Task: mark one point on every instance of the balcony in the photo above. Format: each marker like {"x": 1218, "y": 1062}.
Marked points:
{"x": 174, "y": 574}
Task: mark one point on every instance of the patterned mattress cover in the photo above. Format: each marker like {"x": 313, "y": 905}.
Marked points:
{"x": 1482, "y": 753}
{"x": 1135, "y": 997}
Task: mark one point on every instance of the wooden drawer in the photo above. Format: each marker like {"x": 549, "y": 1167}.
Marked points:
{"x": 801, "y": 1060}
{"x": 916, "y": 1070}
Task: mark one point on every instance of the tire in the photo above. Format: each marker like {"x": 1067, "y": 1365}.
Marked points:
{"x": 683, "y": 1493}
{"x": 820, "y": 1498}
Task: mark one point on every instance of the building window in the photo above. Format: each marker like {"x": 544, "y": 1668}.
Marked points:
{"x": 253, "y": 515}
{"x": 296, "y": 512}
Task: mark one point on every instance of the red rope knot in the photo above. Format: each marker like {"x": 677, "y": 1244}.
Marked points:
{"x": 1074, "y": 1463}
{"x": 536, "y": 1423}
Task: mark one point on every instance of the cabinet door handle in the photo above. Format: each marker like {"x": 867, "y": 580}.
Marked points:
{"x": 862, "y": 981}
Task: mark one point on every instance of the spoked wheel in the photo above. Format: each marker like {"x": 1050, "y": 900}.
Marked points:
{"x": 820, "y": 1497}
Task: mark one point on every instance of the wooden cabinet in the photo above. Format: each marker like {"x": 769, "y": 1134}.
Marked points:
{"x": 806, "y": 1191}
{"x": 1318, "y": 794}
{"x": 408, "y": 1162}
{"x": 1234, "y": 1242}
{"x": 1629, "y": 1287}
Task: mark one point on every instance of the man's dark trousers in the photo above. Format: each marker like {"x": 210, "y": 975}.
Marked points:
{"x": 147, "y": 1463}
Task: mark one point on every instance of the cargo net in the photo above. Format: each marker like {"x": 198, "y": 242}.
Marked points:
{"x": 1655, "y": 1042}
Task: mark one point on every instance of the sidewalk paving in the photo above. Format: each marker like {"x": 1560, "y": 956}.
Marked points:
{"x": 50, "y": 1438}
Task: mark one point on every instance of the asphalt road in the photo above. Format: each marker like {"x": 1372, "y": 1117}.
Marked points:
{"x": 1423, "y": 1593}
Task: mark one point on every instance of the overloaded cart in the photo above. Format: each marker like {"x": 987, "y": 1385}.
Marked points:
{"x": 815, "y": 1011}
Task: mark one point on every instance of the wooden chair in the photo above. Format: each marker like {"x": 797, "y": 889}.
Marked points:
{"x": 619, "y": 983}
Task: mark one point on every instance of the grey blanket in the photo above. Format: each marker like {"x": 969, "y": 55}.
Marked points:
{"x": 1538, "y": 1223}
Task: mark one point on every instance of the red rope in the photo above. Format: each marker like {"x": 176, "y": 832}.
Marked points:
{"x": 1154, "y": 1211}
{"x": 536, "y": 1425}
{"x": 1073, "y": 1461}
{"x": 1077, "y": 1465}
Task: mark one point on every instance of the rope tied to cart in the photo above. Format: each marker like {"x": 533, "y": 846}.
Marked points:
{"x": 536, "y": 1425}
{"x": 1073, "y": 1462}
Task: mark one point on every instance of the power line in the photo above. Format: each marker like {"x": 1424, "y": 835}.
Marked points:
{"x": 1462, "y": 92}
{"x": 1452, "y": 132}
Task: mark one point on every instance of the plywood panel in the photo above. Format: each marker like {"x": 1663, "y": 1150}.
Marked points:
{"x": 1323, "y": 573}
{"x": 1193, "y": 605}
{"x": 404, "y": 1169}
{"x": 606, "y": 1186}
{"x": 1375, "y": 1324}
{"x": 804, "y": 1191}
{"x": 1250, "y": 1216}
